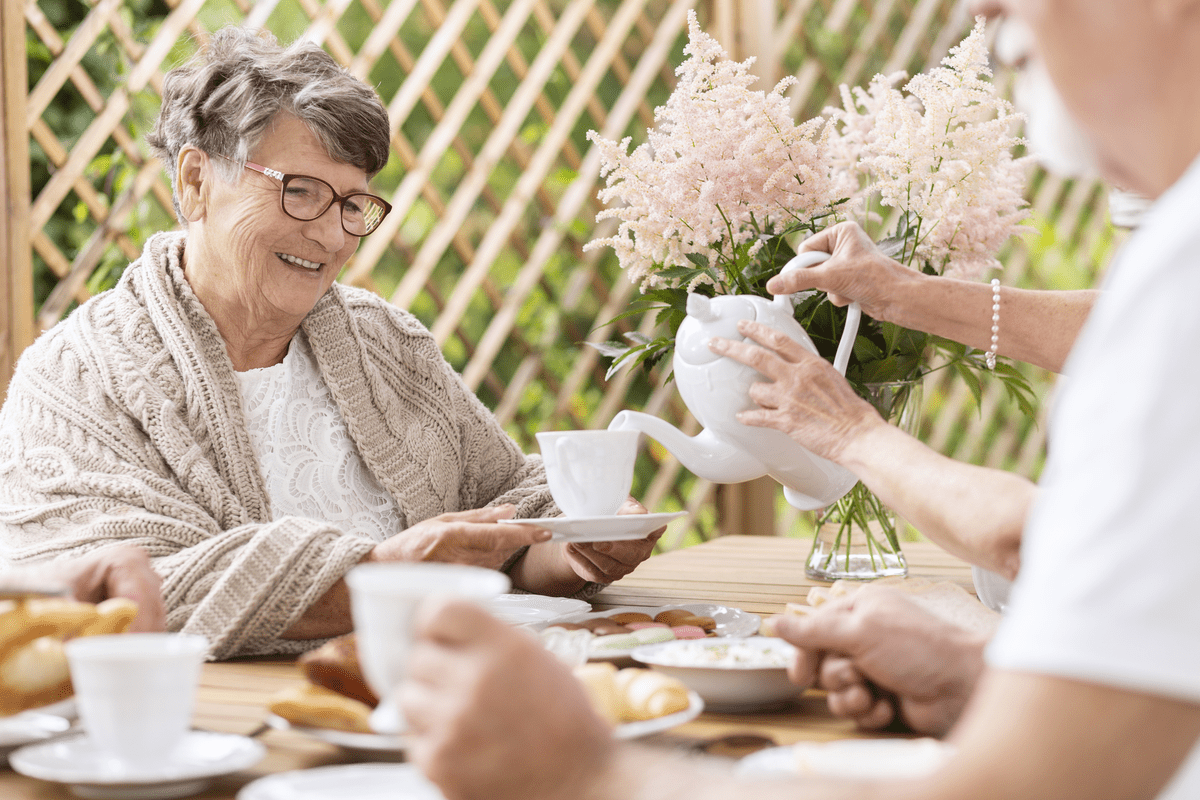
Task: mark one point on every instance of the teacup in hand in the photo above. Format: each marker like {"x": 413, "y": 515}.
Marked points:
{"x": 136, "y": 692}
{"x": 383, "y": 601}
{"x": 590, "y": 472}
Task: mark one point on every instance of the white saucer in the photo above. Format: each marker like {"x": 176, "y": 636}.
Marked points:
{"x": 201, "y": 756}
{"x": 344, "y": 782}
{"x": 28, "y": 727}
{"x": 890, "y": 759}
{"x": 616, "y": 528}
{"x": 376, "y": 744}
{"x": 529, "y": 609}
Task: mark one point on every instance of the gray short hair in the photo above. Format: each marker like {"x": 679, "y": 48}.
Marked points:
{"x": 223, "y": 100}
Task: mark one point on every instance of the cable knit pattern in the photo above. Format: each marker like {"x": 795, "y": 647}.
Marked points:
{"x": 125, "y": 423}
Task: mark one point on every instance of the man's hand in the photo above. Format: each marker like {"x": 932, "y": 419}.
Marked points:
{"x": 880, "y": 655}
{"x": 473, "y": 537}
{"x": 121, "y": 571}
{"x": 493, "y": 715}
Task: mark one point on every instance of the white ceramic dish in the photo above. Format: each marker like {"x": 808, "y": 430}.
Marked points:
{"x": 850, "y": 758}
{"x": 647, "y": 727}
{"x": 73, "y": 760}
{"x": 532, "y": 609}
{"x": 28, "y": 727}
{"x": 344, "y": 782}
{"x": 375, "y": 744}
{"x": 732, "y": 623}
{"x": 734, "y": 675}
{"x": 619, "y": 527}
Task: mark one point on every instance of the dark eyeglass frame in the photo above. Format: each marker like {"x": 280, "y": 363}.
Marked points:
{"x": 286, "y": 177}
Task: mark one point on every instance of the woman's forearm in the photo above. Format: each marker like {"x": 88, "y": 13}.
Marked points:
{"x": 974, "y": 512}
{"x": 1037, "y": 327}
{"x": 544, "y": 570}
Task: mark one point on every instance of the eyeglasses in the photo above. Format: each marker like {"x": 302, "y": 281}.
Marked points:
{"x": 305, "y": 198}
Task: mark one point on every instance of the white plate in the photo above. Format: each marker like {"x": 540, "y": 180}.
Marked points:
{"x": 203, "y": 755}
{"x": 616, "y": 528}
{"x": 28, "y": 727}
{"x": 528, "y": 609}
{"x": 757, "y": 680}
{"x": 646, "y": 727}
{"x": 850, "y": 758}
{"x": 344, "y": 782}
{"x": 732, "y": 623}
{"x": 373, "y": 742}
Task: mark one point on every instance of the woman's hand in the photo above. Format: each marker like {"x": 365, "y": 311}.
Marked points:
{"x": 856, "y": 271}
{"x": 804, "y": 395}
{"x": 605, "y": 562}
{"x": 121, "y": 571}
{"x": 493, "y": 715}
{"x": 473, "y": 537}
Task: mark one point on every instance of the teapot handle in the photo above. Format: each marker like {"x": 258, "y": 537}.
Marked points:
{"x": 810, "y": 258}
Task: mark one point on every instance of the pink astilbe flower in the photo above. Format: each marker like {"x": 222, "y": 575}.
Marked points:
{"x": 724, "y": 166}
{"x": 942, "y": 156}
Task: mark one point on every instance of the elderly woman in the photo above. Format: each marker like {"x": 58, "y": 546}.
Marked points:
{"x": 255, "y": 427}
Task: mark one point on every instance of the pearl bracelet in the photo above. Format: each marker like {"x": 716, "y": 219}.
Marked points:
{"x": 990, "y": 356}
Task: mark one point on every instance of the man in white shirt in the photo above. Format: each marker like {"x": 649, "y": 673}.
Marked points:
{"x": 1092, "y": 687}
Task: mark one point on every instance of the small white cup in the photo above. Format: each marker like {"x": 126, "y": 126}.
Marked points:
{"x": 383, "y": 601}
{"x": 590, "y": 472}
{"x": 136, "y": 692}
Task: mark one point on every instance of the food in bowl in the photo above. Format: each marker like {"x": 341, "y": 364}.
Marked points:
{"x": 729, "y": 674}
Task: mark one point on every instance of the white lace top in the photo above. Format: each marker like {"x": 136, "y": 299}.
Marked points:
{"x": 310, "y": 464}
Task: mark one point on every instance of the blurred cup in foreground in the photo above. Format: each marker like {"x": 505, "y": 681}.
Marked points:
{"x": 590, "y": 472}
{"x": 136, "y": 692}
{"x": 383, "y": 600}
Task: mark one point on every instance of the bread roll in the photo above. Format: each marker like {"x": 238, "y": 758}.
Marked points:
{"x": 33, "y": 667}
{"x": 317, "y": 707}
{"x": 647, "y": 694}
{"x": 334, "y": 665}
{"x": 599, "y": 683}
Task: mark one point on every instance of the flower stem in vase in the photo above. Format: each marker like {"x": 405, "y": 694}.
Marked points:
{"x": 856, "y": 539}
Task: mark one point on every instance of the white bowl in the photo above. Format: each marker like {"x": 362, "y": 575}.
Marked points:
{"x": 730, "y": 674}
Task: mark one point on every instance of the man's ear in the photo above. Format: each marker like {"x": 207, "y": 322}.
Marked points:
{"x": 192, "y": 183}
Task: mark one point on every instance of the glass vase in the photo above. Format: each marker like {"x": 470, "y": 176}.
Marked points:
{"x": 856, "y": 537}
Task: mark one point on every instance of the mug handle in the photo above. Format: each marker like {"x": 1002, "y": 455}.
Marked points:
{"x": 810, "y": 258}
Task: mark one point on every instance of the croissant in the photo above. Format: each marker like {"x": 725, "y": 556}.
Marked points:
{"x": 33, "y": 666}
{"x": 317, "y": 707}
{"x": 647, "y": 694}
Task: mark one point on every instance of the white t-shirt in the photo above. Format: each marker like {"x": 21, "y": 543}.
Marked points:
{"x": 1110, "y": 560}
{"x": 310, "y": 463}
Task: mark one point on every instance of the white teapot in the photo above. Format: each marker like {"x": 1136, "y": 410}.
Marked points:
{"x": 716, "y": 388}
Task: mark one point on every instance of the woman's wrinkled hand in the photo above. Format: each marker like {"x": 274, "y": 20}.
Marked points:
{"x": 857, "y": 271}
{"x": 493, "y": 715}
{"x": 474, "y": 537}
{"x": 605, "y": 562}
{"x": 120, "y": 571}
{"x": 803, "y": 396}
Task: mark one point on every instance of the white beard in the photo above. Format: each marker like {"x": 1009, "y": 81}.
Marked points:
{"x": 1055, "y": 139}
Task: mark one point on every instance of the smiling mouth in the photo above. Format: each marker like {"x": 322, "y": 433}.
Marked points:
{"x": 300, "y": 262}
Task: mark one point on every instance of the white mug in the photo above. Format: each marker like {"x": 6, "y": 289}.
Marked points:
{"x": 590, "y": 472}
{"x": 383, "y": 601}
{"x": 136, "y": 692}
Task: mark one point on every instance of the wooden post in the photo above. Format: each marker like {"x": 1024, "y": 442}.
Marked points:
{"x": 746, "y": 28}
{"x": 16, "y": 288}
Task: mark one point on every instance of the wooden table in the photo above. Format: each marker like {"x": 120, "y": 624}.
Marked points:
{"x": 757, "y": 574}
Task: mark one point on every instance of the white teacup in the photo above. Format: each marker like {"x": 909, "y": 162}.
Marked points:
{"x": 383, "y": 601}
{"x": 136, "y": 692}
{"x": 590, "y": 472}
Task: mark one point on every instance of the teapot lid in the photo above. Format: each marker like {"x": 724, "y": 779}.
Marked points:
{"x": 708, "y": 317}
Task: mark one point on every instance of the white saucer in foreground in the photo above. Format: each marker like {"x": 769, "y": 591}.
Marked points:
{"x": 615, "y": 528}
{"x": 201, "y": 756}
{"x": 344, "y": 782}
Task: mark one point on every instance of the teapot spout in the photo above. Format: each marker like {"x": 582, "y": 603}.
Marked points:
{"x": 705, "y": 454}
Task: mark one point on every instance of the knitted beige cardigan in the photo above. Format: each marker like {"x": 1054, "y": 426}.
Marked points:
{"x": 124, "y": 423}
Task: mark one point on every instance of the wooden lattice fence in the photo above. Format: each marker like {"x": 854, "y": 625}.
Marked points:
{"x": 492, "y": 180}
